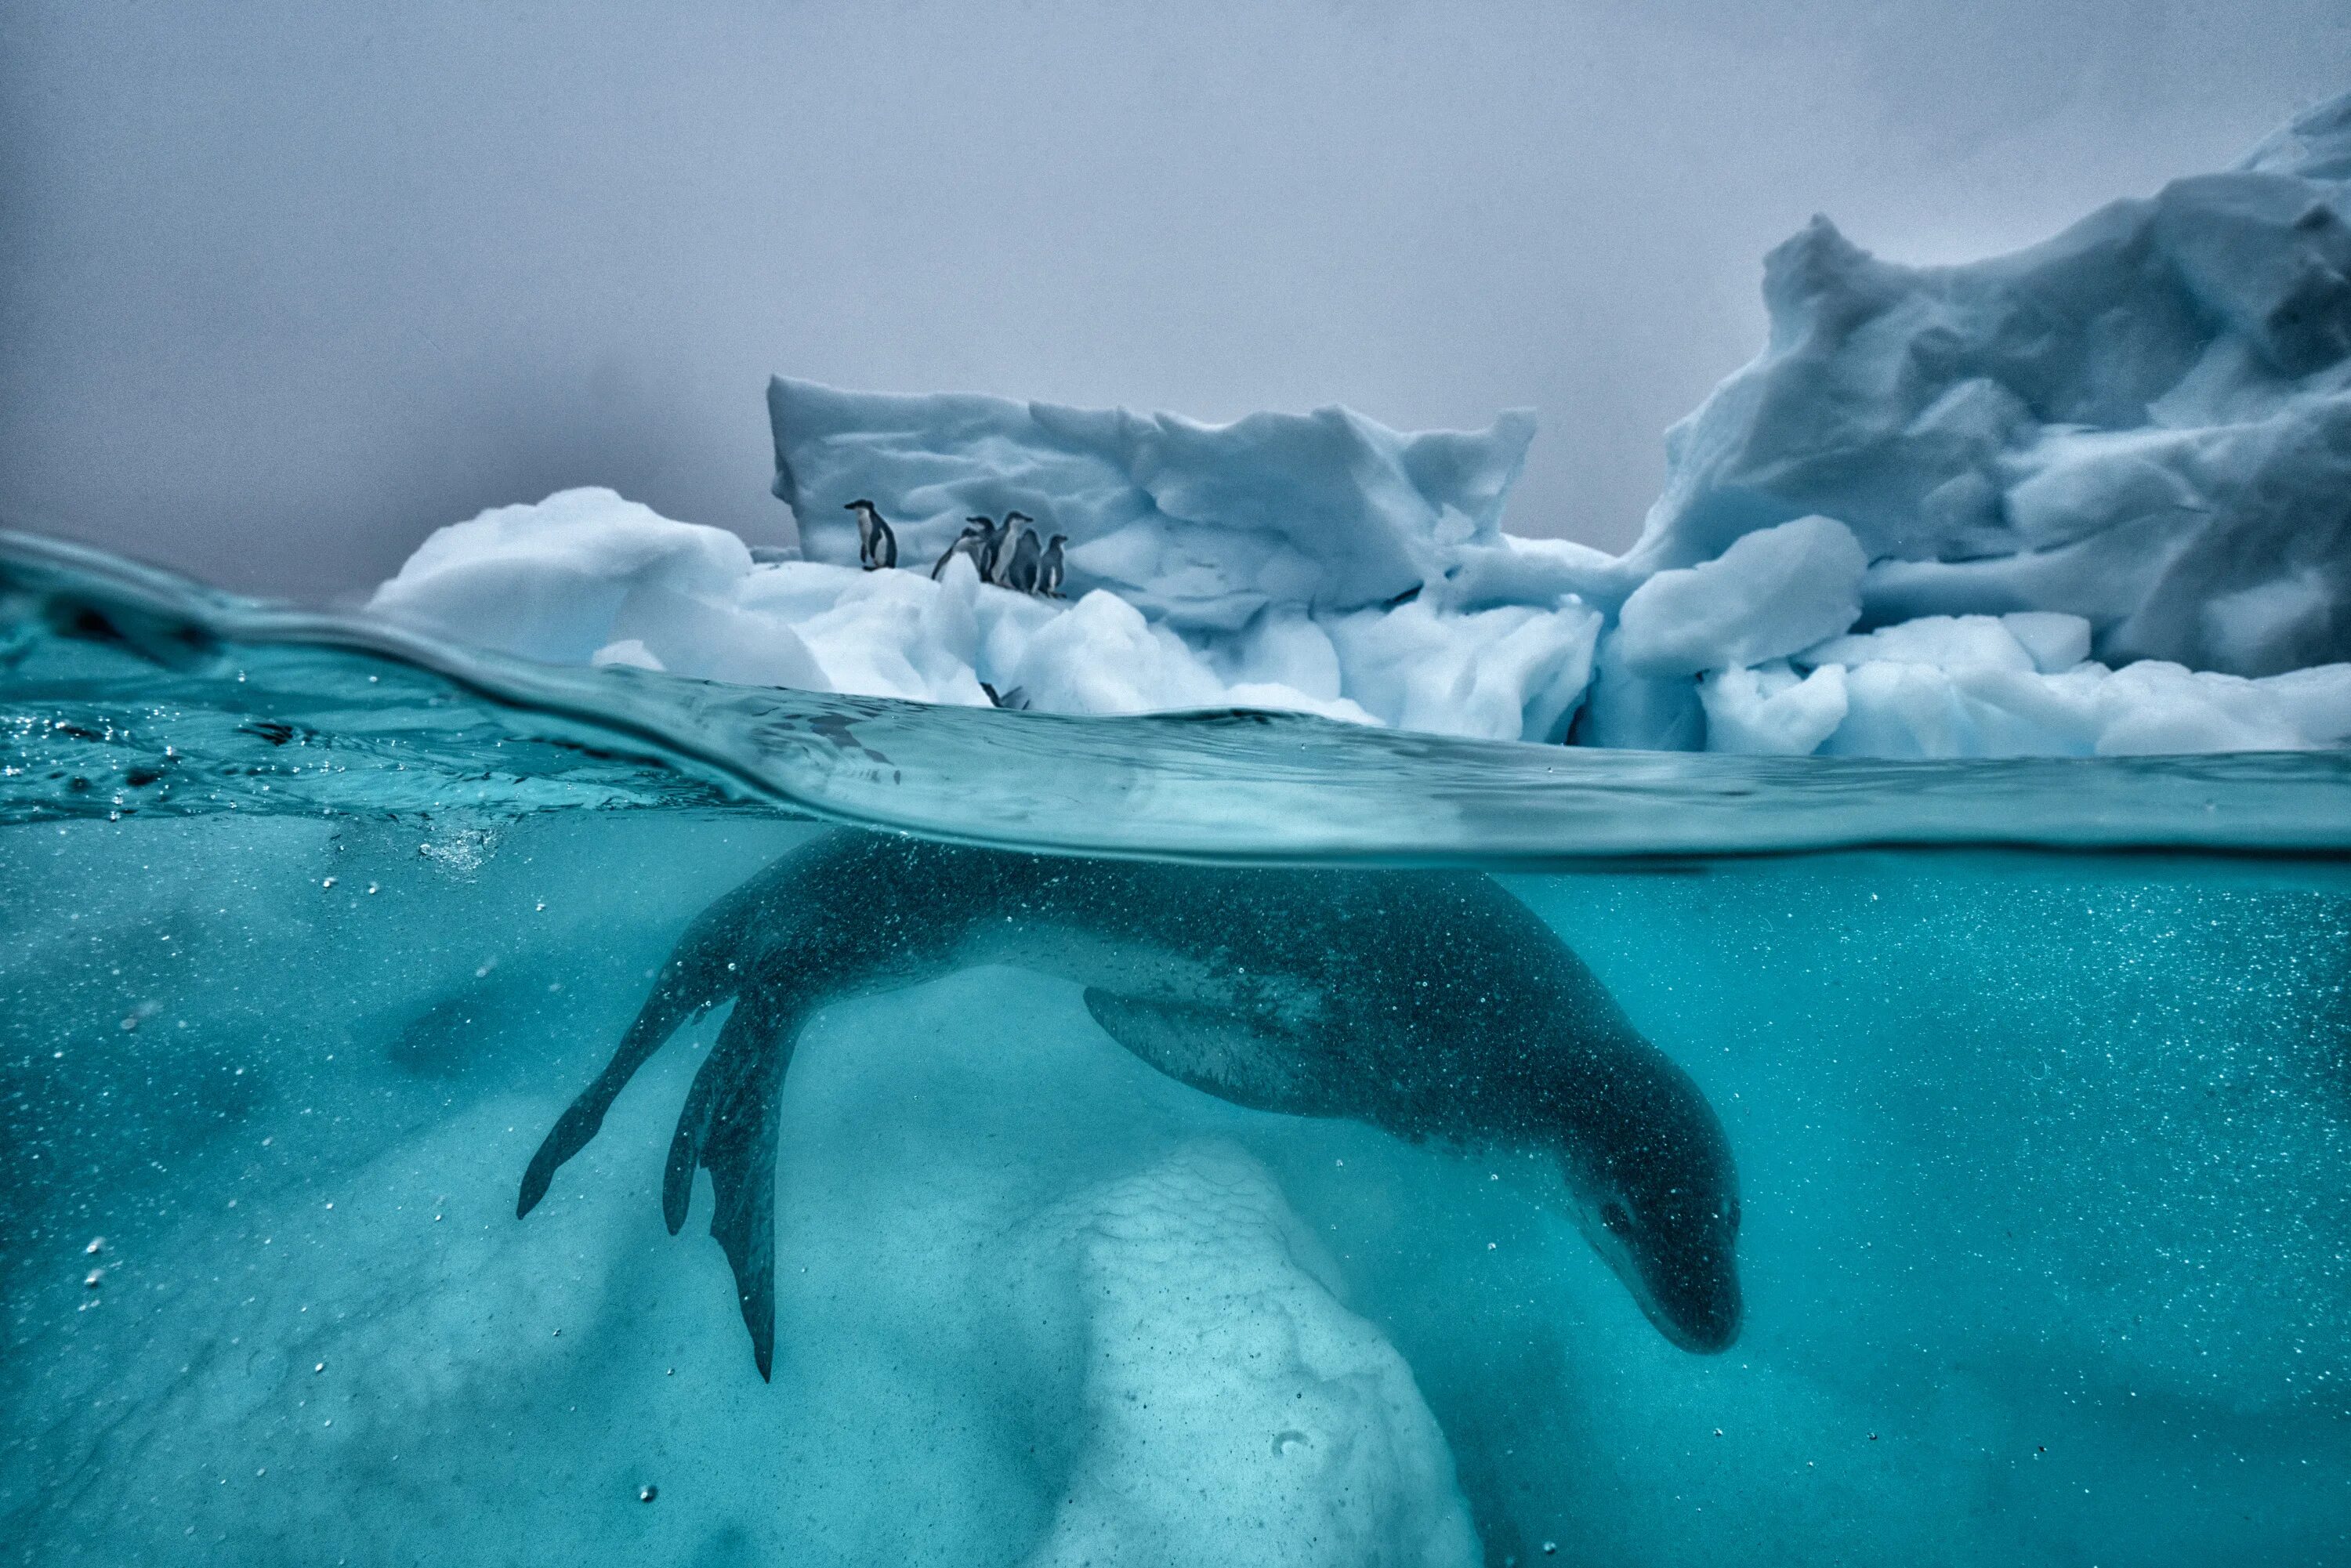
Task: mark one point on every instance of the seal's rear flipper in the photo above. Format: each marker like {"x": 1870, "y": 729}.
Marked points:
{"x": 686, "y": 986}
{"x": 741, "y": 1155}
{"x": 729, "y": 1125}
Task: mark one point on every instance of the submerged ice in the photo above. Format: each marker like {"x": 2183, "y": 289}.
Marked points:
{"x": 2086, "y": 500}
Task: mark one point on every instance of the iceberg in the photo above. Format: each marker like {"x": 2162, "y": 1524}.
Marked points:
{"x": 1201, "y": 526}
{"x": 2086, "y": 499}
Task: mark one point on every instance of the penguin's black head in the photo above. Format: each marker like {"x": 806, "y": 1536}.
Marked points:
{"x": 1057, "y": 540}
{"x": 861, "y": 506}
{"x": 1012, "y": 517}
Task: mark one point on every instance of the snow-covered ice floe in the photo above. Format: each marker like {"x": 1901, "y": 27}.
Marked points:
{"x": 2090, "y": 498}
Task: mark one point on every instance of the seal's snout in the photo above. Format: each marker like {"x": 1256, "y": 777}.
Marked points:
{"x": 1690, "y": 1291}
{"x": 1709, "y": 1320}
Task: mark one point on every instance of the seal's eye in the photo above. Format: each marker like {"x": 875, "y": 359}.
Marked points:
{"x": 1617, "y": 1219}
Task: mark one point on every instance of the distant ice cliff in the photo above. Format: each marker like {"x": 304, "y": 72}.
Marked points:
{"x": 2093, "y": 498}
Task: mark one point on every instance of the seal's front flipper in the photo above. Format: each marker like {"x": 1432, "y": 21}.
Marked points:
{"x": 1246, "y": 1061}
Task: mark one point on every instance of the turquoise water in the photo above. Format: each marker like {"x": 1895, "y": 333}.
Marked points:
{"x": 2038, "y": 1077}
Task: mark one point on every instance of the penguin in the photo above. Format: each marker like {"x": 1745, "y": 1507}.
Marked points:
{"x": 991, "y": 545}
{"x": 1007, "y": 538}
{"x": 968, "y": 542}
{"x": 877, "y": 546}
{"x": 1048, "y": 566}
{"x": 1020, "y": 576}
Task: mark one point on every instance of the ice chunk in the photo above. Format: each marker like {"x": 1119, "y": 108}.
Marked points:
{"x": 594, "y": 578}
{"x": 1946, "y": 641}
{"x": 545, "y": 581}
{"x": 1234, "y": 1412}
{"x": 585, "y": 574}
{"x": 1773, "y": 592}
{"x": 627, "y": 652}
{"x": 2056, "y": 641}
{"x": 1772, "y": 711}
{"x": 1904, "y": 709}
{"x": 1505, "y": 673}
{"x": 1641, "y": 713}
{"x": 1103, "y": 657}
{"x": 1896, "y": 708}
{"x": 2156, "y": 708}
{"x": 1285, "y": 647}
{"x": 2145, "y": 422}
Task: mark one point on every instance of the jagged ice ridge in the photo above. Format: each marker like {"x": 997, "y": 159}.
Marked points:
{"x": 2093, "y": 498}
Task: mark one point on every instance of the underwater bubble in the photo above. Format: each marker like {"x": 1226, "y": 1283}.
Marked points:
{"x": 647, "y": 1492}
{"x": 97, "y": 1245}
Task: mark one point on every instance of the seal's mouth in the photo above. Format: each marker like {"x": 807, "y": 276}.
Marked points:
{"x": 1691, "y": 1292}
{"x": 1708, "y": 1325}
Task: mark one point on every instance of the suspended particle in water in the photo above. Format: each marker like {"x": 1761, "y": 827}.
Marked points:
{"x": 647, "y": 1492}
{"x": 94, "y": 1277}
{"x": 320, "y": 1368}
{"x": 97, "y": 1245}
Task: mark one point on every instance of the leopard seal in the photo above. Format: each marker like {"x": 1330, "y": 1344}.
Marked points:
{"x": 1431, "y": 1004}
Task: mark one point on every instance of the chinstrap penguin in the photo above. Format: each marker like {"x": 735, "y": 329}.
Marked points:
{"x": 970, "y": 542}
{"x": 877, "y": 546}
{"x": 1021, "y": 575}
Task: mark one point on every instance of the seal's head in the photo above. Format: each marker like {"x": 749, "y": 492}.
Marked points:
{"x": 1653, "y": 1189}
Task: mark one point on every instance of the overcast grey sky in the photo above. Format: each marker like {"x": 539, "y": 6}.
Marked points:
{"x": 285, "y": 286}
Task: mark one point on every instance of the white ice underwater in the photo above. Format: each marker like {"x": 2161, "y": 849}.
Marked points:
{"x": 2090, "y": 498}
